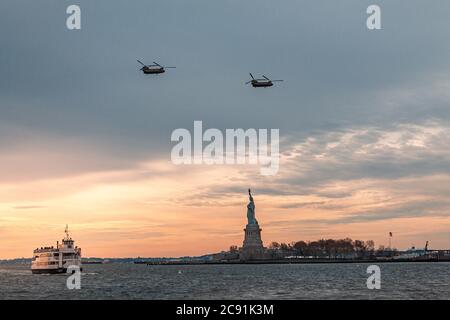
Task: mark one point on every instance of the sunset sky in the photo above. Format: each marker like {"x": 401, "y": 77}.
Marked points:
{"x": 364, "y": 119}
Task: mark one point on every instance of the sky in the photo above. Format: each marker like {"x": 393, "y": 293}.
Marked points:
{"x": 85, "y": 137}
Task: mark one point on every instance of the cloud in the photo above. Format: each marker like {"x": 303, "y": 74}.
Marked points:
{"x": 320, "y": 164}
{"x": 301, "y": 204}
{"x": 370, "y": 152}
{"x": 29, "y": 207}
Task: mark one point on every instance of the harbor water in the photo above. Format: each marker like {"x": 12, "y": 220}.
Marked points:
{"x": 287, "y": 281}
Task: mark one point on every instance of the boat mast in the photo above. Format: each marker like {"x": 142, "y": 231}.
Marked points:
{"x": 67, "y": 232}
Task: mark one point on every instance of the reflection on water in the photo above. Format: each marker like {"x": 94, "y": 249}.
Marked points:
{"x": 318, "y": 281}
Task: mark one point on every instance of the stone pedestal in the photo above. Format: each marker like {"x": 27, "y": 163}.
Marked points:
{"x": 253, "y": 246}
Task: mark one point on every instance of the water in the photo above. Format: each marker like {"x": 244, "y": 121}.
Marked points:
{"x": 295, "y": 281}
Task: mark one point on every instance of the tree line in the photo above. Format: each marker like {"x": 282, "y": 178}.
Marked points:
{"x": 330, "y": 248}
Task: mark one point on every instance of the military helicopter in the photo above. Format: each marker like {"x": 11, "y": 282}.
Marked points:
{"x": 266, "y": 82}
{"x": 154, "y": 68}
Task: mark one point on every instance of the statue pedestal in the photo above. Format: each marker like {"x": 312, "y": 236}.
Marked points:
{"x": 253, "y": 246}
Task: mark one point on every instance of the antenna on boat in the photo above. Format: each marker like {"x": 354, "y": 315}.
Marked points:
{"x": 67, "y": 231}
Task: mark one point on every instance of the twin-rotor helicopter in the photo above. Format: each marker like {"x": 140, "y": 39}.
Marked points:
{"x": 261, "y": 83}
{"x": 156, "y": 68}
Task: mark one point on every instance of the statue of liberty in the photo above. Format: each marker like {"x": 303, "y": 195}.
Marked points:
{"x": 251, "y": 210}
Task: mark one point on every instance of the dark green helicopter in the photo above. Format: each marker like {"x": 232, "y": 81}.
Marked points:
{"x": 154, "y": 68}
{"x": 261, "y": 83}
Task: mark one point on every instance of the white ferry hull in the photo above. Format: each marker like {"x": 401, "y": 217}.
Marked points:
{"x": 52, "y": 270}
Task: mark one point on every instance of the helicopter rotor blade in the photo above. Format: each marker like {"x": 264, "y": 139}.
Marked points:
{"x": 140, "y": 62}
{"x": 156, "y": 63}
{"x": 276, "y": 80}
{"x": 248, "y": 82}
{"x": 252, "y": 76}
{"x": 169, "y": 67}
{"x": 266, "y": 77}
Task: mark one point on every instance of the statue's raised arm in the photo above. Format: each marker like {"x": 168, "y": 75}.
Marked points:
{"x": 251, "y": 210}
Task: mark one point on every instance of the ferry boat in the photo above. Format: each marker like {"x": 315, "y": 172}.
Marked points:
{"x": 56, "y": 259}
